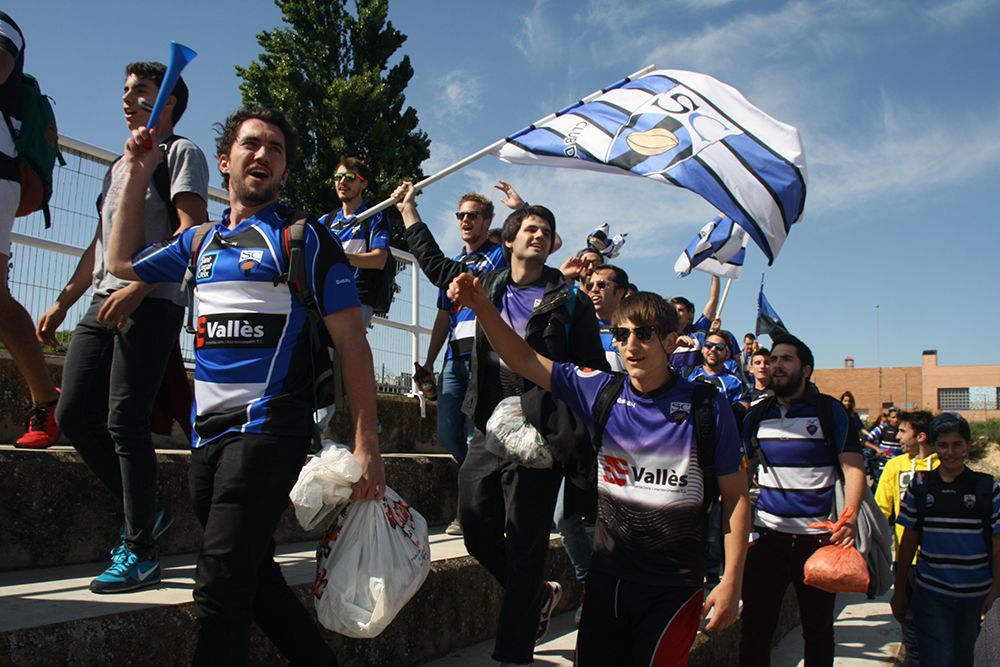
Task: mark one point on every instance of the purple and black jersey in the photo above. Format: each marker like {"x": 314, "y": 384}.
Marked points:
{"x": 651, "y": 525}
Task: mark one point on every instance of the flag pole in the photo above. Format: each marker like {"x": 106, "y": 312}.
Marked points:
{"x": 482, "y": 152}
{"x": 722, "y": 301}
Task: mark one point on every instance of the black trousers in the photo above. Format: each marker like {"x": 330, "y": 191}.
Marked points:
{"x": 506, "y": 515}
{"x": 774, "y": 561}
{"x": 239, "y": 487}
{"x": 110, "y": 380}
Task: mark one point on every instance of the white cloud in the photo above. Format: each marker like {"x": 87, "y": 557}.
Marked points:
{"x": 958, "y": 12}
{"x": 459, "y": 96}
{"x": 535, "y": 37}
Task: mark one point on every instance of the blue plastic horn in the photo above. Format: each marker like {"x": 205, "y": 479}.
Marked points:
{"x": 180, "y": 56}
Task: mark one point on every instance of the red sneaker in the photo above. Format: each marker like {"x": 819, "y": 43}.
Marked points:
{"x": 42, "y": 428}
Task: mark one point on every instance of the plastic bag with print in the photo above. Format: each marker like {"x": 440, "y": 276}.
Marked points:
{"x": 510, "y": 436}
{"x": 372, "y": 560}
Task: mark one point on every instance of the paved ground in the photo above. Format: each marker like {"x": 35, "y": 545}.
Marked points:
{"x": 866, "y": 633}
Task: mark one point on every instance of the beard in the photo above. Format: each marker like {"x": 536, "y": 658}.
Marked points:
{"x": 786, "y": 385}
{"x": 249, "y": 197}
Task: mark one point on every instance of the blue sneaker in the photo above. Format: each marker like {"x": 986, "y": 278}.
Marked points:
{"x": 163, "y": 520}
{"x": 127, "y": 573}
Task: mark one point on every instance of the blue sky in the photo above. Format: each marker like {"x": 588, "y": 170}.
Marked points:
{"x": 898, "y": 105}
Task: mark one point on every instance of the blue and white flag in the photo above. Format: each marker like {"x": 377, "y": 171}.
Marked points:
{"x": 719, "y": 248}
{"x": 768, "y": 321}
{"x": 683, "y": 129}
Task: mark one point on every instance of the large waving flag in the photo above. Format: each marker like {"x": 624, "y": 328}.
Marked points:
{"x": 719, "y": 248}
{"x": 683, "y": 129}
{"x": 768, "y": 321}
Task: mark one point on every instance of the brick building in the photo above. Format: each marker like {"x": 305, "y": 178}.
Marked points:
{"x": 974, "y": 391}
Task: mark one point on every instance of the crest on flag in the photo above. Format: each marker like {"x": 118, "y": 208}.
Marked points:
{"x": 687, "y": 130}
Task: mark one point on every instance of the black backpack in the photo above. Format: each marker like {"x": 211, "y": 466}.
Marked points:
{"x": 293, "y": 247}
{"x": 703, "y": 410}
{"x": 932, "y": 482}
{"x": 381, "y": 283}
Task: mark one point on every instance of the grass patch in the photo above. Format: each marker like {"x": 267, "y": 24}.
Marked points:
{"x": 988, "y": 429}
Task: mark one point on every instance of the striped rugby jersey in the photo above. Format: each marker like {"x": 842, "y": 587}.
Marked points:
{"x": 252, "y": 348}
{"x": 358, "y": 237}
{"x": 796, "y": 482}
{"x": 462, "y": 321}
{"x": 731, "y": 386}
{"x": 954, "y": 530}
{"x": 650, "y": 486}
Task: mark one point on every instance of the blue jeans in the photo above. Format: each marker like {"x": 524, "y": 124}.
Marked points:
{"x": 576, "y": 540}
{"x": 454, "y": 429}
{"x": 947, "y": 627}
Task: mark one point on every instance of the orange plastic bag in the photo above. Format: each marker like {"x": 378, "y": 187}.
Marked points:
{"x": 837, "y": 569}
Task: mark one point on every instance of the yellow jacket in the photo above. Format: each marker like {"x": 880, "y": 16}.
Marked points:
{"x": 893, "y": 483}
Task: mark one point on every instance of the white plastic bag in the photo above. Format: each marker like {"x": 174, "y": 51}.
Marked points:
{"x": 324, "y": 483}
{"x": 510, "y": 436}
{"x": 373, "y": 559}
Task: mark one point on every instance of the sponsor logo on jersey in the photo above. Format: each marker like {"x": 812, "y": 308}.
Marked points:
{"x": 238, "y": 330}
{"x": 617, "y": 471}
{"x": 250, "y": 259}
{"x": 205, "y": 266}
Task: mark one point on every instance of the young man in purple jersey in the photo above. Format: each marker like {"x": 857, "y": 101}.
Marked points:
{"x": 644, "y": 588}
{"x": 506, "y": 509}
{"x": 253, "y": 381}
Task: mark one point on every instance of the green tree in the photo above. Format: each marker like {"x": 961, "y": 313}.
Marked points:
{"x": 328, "y": 71}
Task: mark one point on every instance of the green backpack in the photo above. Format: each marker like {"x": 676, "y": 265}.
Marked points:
{"x": 37, "y": 143}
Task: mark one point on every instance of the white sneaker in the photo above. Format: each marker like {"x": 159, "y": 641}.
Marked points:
{"x": 454, "y": 528}
{"x": 555, "y": 592}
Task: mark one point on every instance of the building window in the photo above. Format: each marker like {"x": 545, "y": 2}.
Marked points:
{"x": 953, "y": 398}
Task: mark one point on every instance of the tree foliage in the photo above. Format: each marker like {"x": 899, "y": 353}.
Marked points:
{"x": 329, "y": 72}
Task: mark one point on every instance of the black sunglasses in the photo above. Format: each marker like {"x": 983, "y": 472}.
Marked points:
{"x": 599, "y": 284}
{"x": 462, "y": 215}
{"x": 643, "y": 333}
{"x": 718, "y": 346}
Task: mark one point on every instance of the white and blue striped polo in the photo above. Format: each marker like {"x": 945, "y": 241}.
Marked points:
{"x": 462, "y": 321}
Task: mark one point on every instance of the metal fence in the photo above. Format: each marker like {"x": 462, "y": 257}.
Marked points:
{"x": 42, "y": 261}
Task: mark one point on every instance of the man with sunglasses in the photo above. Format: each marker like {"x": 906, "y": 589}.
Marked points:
{"x": 607, "y": 286}
{"x": 506, "y": 509}
{"x": 715, "y": 352}
{"x": 687, "y": 355}
{"x": 365, "y": 243}
{"x": 457, "y": 325}
{"x": 644, "y": 588}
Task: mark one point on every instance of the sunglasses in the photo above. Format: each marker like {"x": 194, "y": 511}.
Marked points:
{"x": 718, "y": 346}
{"x": 643, "y": 333}
{"x": 462, "y": 215}
{"x": 599, "y": 284}
{"x": 349, "y": 176}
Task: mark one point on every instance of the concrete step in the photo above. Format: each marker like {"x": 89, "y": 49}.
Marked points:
{"x": 49, "y": 617}
{"x": 55, "y": 512}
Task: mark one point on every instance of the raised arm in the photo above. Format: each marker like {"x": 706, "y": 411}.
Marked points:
{"x": 713, "y": 299}
{"x": 439, "y": 269}
{"x": 515, "y": 352}
{"x": 128, "y": 234}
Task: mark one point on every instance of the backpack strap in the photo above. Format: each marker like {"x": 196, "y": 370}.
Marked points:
{"x": 824, "y": 412}
{"x": 161, "y": 181}
{"x": 757, "y": 413}
{"x": 603, "y": 403}
{"x": 293, "y": 242}
{"x": 703, "y": 411}
{"x": 197, "y": 239}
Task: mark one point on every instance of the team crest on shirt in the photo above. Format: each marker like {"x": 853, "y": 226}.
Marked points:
{"x": 969, "y": 500}
{"x": 812, "y": 427}
{"x": 250, "y": 260}
{"x": 930, "y": 500}
{"x": 679, "y": 412}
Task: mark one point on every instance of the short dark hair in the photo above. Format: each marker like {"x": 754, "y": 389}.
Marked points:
{"x": 802, "y": 350}
{"x": 512, "y": 225}
{"x": 355, "y": 163}
{"x": 154, "y": 71}
{"x": 482, "y": 200}
{"x": 767, "y": 353}
{"x": 949, "y": 422}
{"x": 227, "y": 133}
{"x": 647, "y": 308}
{"x": 919, "y": 420}
{"x": 681, "y": 301}
{"x": 620, "y": 278}
{"x": 750, "y": 336}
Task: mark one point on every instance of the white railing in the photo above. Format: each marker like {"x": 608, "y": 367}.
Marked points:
{"x": 42, "y": 260}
